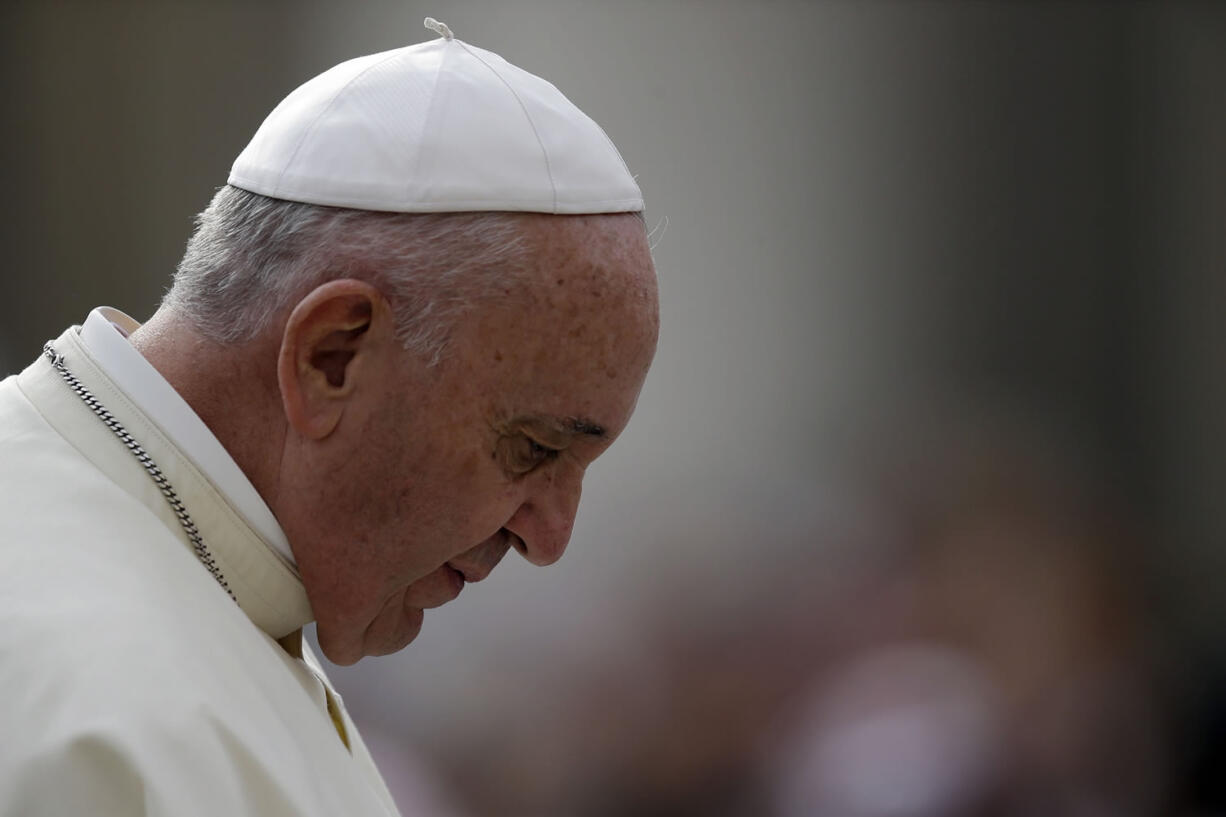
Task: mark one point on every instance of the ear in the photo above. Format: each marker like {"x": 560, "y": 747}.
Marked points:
{"x": 333, "y": 346}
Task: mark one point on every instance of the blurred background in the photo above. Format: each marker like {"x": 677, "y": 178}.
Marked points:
{"x": 919, "y": 513}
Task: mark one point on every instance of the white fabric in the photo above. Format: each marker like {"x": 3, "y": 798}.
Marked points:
{"x": 440, "y": 126}
{"x": 104, "y": 335}
{"x": 130, "y": 682}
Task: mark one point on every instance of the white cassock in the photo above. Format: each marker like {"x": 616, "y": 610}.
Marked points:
{"x": 131, "y": 682}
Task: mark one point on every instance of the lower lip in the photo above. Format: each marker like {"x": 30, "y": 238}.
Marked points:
{"x": 457, "y": 578}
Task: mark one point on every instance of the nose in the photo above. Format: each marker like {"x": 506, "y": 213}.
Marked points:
{"x": 545, "y": 519}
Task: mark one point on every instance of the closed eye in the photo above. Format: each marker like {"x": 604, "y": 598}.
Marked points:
{"x": 543, "y": 452}
{"x": 538, "y": 453}
{"x": 520, "y": 453}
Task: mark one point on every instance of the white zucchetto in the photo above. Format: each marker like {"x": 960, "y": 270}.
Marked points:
{"x": 440, "y": 126}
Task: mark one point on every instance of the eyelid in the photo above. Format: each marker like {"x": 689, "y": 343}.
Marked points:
{"x": 523, "y": 453}
{"x": 548, "y": 449}
{"x": 541, "y": 452}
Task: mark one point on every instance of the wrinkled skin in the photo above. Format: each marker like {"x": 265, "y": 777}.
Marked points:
{"x": 398, "y": 482}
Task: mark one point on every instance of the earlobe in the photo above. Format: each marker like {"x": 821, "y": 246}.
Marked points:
{"x": 327, "y": 351}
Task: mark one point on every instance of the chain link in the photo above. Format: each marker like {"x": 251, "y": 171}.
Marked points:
{"x": 151, "y": 468}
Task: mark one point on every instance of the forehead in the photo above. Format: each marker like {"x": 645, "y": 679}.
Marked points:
{"x": 573, "y": 338}
{"x": 572, "y": 257}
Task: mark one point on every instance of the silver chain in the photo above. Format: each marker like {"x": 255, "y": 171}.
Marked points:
{"x": 151, "y": 468}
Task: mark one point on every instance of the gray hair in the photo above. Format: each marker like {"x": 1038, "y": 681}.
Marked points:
{"x": 253, "y": 257}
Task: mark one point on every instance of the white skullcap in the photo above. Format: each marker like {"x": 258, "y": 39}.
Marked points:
{"x": 439, "y": 126}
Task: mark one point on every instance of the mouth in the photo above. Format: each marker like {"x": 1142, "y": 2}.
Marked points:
{"x": 476, "y": 564}
{"x": 469, "y": 575}
{"x": 457, "y": 576}
{"x": 435, "y": 589}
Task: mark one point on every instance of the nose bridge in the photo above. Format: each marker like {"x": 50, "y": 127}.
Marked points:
{"x": 545, "y": 520}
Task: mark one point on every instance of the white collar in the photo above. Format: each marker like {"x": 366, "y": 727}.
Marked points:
{"x": 104, "y": 334}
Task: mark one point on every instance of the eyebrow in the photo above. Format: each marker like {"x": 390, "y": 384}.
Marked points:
{"x": 569, "y": 425}
{"x": 580, "y": 426}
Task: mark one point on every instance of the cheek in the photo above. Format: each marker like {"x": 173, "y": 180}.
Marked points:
{"x": 416, "y": 514}
{"x": 465, "y": 505}
{"x": 407, "y": 501}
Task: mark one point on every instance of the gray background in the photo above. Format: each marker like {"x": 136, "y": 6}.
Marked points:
{"x": 882, "y": 219}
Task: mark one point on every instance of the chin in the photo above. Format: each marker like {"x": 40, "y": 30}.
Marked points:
{"x": 394, "y": 628}
{"x": 341, "y": 648}
{"x": 346, "y": 635}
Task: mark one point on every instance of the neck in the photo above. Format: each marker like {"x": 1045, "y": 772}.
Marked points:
{"x": 232, "y": 388}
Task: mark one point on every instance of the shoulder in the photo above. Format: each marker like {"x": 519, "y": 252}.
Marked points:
{"x": 148, "y": 706}
{"x": 119, "y": 765}
{"x": 127, "y": 677}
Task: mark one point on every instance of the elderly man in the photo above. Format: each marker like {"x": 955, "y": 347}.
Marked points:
{"x": 421, "y": 307}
